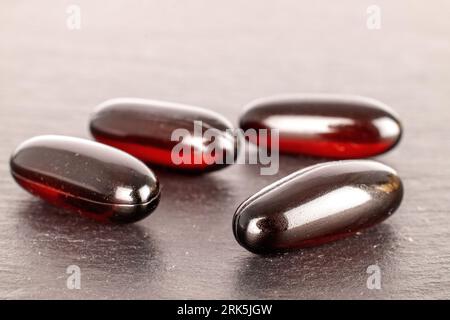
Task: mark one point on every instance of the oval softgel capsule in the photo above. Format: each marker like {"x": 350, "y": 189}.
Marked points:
{"x": 169, "y": 134}
{"x": 324, "y": 125}
{"x": 316, "y": 205}
{"x": 95, "y": 180}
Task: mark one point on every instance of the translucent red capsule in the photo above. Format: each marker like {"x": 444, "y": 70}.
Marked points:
{"x": 316, "y": 205}
{"x": 333, "y": 126}
{"x": 93, "y": 179}
{"x": 145, "y": 129}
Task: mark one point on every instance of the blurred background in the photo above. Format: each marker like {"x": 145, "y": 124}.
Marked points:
{"x": 220, "y": 55}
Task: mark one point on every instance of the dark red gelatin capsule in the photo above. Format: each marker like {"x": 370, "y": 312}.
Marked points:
{"x": 144, "y": 128}
{"x": 316, "y": 205}
{"x": 332, "y": 126}
{"x": 97, "y": 181}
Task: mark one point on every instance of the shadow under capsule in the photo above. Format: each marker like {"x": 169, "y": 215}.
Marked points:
{"x": 259, "y": 161}
{"x": 336, "y": 270}
{"x": 180, "y": 191}
{"x": 286, "y": 163}
{"x": 122, "y": 253}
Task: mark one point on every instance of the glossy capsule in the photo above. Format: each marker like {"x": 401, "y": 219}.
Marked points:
{"x": 316, "y": 205}
{"x": 93, "y": 179}
{"x": 331, "y": 126}
{"x": 156, "y": 131}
